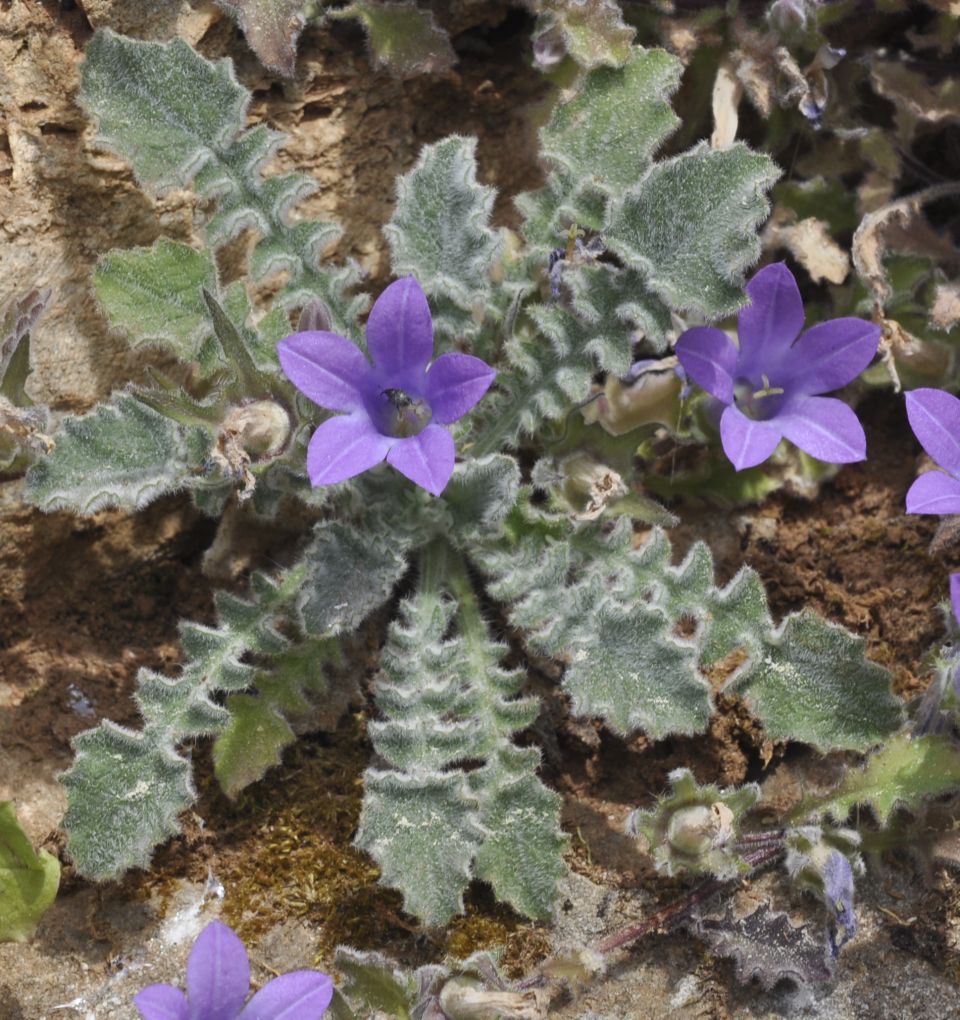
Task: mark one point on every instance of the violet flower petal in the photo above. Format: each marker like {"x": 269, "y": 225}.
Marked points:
{"x": 830, "y": 355}
{"x": 824, "y": 427}
{"x": 934, "y": 493}
{"x": 935, "y": 419}
{"x": 455, "y": 383}
{"x": 771, "y": 322}
{"x": 426, "y": 459}
{"x": 709, "y": 357}
{"x": 955, "y": 596}
{"x": 747, "y": 442}
{"x": 299, "y": 995}
{"x": 345, "y": 446}
{"x": 400, "y": 335}
{"x": 328, "y": 369}
{"x": 218, "y": 974}
{"x": 162, "y": 1002}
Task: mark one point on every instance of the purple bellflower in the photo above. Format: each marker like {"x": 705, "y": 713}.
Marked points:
{"x": 218, "y": 980}
{"x": 395, "y": 408}
{"x": 771, "y": 384}
{"x": 935, "y": 419}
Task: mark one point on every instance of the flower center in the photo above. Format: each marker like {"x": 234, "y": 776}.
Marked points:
{"x": 402, "y": 415}
{"x": 759, "y": 403}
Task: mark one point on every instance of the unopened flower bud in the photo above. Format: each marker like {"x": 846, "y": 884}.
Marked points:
{"x": 315, "y": 317}
{"x": 262, "y": 427}
{"x": 697, "y": 829}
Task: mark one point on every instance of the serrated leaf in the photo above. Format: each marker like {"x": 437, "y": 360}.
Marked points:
{"x": 522, "y": 854}
{"x": 421, "y": 831}
{"x": 125, "y": 788}
{"x": 257, "y": 732}
{"x": 132, "y": 788}
{"x": 160, "y": 105}
{"x": 634, "y": 675}
{"x": 272, "y": 28}
{"x": 606, "y": 136}
{"x": 28, "y": 880}
{"x": 350, "y": 574}
{"x": 689, "y": 227}
{"x": 179, "y": 119}
{"x": 811, "y": 682}
{"x": 905, "y": 772}
{"x": 404, "y": 39}
{"x": 153, "y": 295}
{"x": 123, "y": 454}
{"x": 767, "y": 947}
{"x": 593, "y": 33}
{"x": 481, "y": 492}
{"x": 440, "y": 231}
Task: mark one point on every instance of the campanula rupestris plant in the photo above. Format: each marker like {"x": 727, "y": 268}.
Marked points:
{"x": 395, "y": 408}
{"x": 771, "y": 384}
{"x": 935, "y": 419}
{"x": 218, "y": 980}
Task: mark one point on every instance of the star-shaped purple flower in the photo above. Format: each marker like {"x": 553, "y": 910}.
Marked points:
{"x": 935, "y": 420}
{"x": 218, "y": 980}
{"x": 395, "y": 408}
{"x": 771, "y": 383}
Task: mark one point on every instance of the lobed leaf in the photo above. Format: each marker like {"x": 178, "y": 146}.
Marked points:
{"x": 593, "y": 33}
{"x": 689, "y": 226}
{"x": 404, "y": 39}
{"x": 160, "y": 105}
{"x": 153, "y": 295}
{"x": 812, "y": 682}
{"x": 126, "y": 788}
{"x": 123, "y": 454}
{"x": 905, "y": 772}
{"x": 440, "y": 232}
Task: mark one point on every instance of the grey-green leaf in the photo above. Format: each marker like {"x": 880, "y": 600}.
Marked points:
{"x": 123, "y": 454}
{"x": 423, "y": 833}
{"x": 403, "y": 38}
{"x": 812, "y": 682}
{"x": 160, "y": 105}
{"x": 440, "y": 231}
{"x": 689, "y": 226}
{"x": 133, "y": 787}
{"x": 606, "y": 136}
{"x": 153, "y": 295}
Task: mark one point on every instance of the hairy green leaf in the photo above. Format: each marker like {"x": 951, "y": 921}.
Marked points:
{"x": 440, "y": 232}
{"x": 28, "y": 880}
{"x": 905, "y": 772}
{"x": 123, "y": 454}
{"x": 606, "y": 136}
{"x": 421, "y": 831}
{"x": 811, "y": 682}
{"x": 593, "y": 33}
{"x": 480, "y": 494}
{"x": 350, "y": 574}
{"x": 179, "y": 119}
{"x": 689, "y": 226}
{"x": 271, "y": 28}
{"x": 631, "y": 672}
{"x": 403, "y": 38}
{"x": 17, "y": 319}
{"x": 126, "y": 788}
{"x": 447, "y": 700}
{"x": 161, "y": 106}
{"x": 153, "y": 295}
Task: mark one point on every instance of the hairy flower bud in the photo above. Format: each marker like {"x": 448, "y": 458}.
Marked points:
{"x": 262, "y": 428}
{"x": 698, "y": 829}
